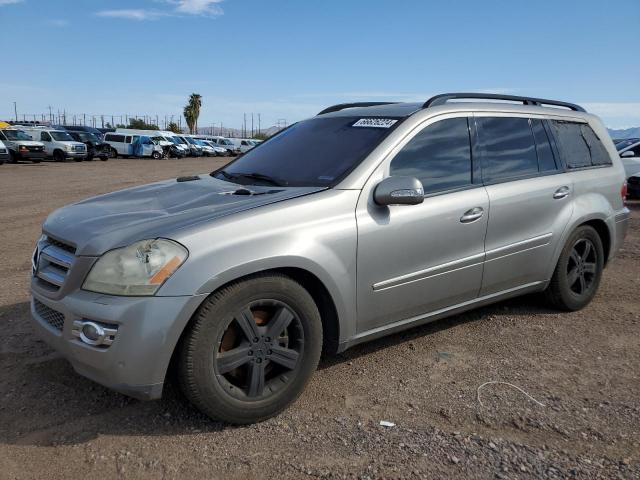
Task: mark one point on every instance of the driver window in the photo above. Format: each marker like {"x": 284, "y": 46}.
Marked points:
{"x": 45, "y": 137}
{"x": 439, "y": 156}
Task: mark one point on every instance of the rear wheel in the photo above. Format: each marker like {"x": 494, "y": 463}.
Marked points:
{"x": 251, "y": 350}
{"x": 104, "y": 159}
{"x": 114, "y": 153}
{"x": 578, "y": 272}
{"x": 156, "y": 155}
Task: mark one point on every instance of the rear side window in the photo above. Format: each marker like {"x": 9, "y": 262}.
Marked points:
{"x": 546, "y": 160}
{"x": 114, "y": 138}
{"x": 508, "y": 148}
{"x": 579, "y": 145}
{"x": 439, "y": 156}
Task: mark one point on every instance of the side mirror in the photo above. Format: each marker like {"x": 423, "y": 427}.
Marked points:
{"x": 627, "y": 154}
{"x": 399, "y": 191}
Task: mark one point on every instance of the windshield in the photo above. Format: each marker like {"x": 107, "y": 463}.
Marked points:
{"x": 315, "y": 152}
{"x": 62, "y": 136}
{"x": 191, "y": 140}
{"x": 88, "y": 137}
{"x": 620, "y": 144}
{"x": 226, "y": 142}
{"x": 16, "y": 135}
{"x": 158, "y": 139}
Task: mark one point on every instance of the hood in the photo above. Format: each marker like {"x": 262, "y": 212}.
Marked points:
{"x": 27, "y": 143}
{"x": 160, "y": 209}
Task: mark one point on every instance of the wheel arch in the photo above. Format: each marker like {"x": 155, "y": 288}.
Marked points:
{"x": 602, "y": 229}
{"x": 316, "y": 288}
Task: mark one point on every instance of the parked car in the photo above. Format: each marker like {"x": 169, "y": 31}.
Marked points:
{"x": 240, "y": 278}
{"x": 629, "y": 152}
{"x": 207, "y": 150}
{"x": 59, "y": 145}
{"x": 122, "y": 144}
{"x": 217, "y": 151}
{"x": 96, "y": 148}
{"x": 80, "y": 128}
{"x": 245, "y": 145}
{"x": 21, "y": 146}
{"x": 4, "y": 153}
{"x": 633, "y": 186}
{"x": 622, "y": 143}
{"x": 195, "y": 149}
{"x": 227, "y": 144}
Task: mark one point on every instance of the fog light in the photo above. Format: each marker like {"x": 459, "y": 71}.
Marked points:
{"x": 93, "y": 333}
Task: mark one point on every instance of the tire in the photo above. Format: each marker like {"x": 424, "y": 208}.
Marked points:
{"x": 12, "y": 157}
{"x": 114, "y": 153}
{"x": 156, "y": 155}
{"x": 104, "y": 159}
{"x": 58, "y": 156}
{"x": 577, "y": 275}
{"x": 89, "y": 158}
{"x": 269, "y": 371}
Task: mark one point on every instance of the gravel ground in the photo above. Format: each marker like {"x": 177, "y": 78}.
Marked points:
{"x": 582, "y": 367}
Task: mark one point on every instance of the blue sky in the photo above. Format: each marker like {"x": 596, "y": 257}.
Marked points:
{"x": 289, "y": 59}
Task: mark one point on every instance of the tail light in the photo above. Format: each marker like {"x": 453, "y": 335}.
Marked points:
{"x": 623, "y": 191}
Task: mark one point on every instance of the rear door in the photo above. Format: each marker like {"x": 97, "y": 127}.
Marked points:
{"x": 530, "y": 199}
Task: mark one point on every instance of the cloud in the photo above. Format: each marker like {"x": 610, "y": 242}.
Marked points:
{"x": 197, "y": 7}
{"x": 58, "y": 22}
{"x": 138, "y": 14}
{"x": 9, "y": 2}
{"x": 203, "y": 8}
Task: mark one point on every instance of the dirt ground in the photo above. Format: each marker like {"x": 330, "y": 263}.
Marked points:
{"x": 583, "y": 368}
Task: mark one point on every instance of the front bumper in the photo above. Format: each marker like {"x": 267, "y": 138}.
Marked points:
{"x": 75, "y": 155}
{"x": 148, "y": 329}
{"x": 29, "y": 155}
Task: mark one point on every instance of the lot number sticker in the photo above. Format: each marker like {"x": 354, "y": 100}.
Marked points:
{"x": 375, "y": 122}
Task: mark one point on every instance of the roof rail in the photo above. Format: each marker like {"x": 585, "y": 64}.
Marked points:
{"x": 445, "y": 97}
{"x": 342, "y": 106}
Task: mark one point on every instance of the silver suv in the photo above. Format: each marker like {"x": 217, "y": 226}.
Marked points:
{"x": 362, "y": 221}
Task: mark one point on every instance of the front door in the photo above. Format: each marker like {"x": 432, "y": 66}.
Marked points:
{"x": 417, "y": 259}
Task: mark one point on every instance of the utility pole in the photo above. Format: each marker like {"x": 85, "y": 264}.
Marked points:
{"x": 50, "y": 115}
{"x": 244, "y": 125}
{"x": 259, "y": 129}
{"x": 15, "y": 110}
{"x": 251, "y": 124}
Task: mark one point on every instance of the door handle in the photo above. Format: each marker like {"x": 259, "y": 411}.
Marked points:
{"x": 562, "y": 192}
{"x": 472, "y": 215}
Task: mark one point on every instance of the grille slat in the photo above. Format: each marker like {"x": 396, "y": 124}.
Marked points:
{"x": 49, "y": 315}
{"x": 53, "y": 262}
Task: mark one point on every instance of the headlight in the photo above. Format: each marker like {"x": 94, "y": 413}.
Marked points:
{"x": 68, "y": 148}
{"x": 139, "y": 269}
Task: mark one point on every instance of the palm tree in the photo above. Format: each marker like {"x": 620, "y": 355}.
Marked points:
{"x": 195, "y": 102}
{"x": 189, "y": 117}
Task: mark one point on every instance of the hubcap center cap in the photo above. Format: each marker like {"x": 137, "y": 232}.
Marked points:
{"x": 261, "y": 349}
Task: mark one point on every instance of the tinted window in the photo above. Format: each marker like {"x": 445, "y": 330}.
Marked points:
{"x": 572, "y": 145}
{"x": 2, "y": 137}
{"x": 45, "y": 137}
{"x": 315, "y": 152}
{"x": 114, "y": 138}
{"x": 507, "y": 147}
{"x": 546, "y": 161}
{"x": 439, "y": 156}
{"x": 599, "y": 154}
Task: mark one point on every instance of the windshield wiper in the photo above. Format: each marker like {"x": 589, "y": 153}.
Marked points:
{"x": 228, "y": 175}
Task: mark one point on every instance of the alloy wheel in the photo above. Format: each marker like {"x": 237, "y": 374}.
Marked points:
{"x": 259, "y": 351}
{"x": 582, "y": 267}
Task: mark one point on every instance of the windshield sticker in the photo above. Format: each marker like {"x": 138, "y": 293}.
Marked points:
{"x": 375, "y": 122}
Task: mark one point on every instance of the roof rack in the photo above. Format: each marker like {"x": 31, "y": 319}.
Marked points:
{"x": 342, "y": 106}
{"x": 445, "y": 97}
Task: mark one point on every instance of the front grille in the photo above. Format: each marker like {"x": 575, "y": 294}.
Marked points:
{"x": 78, "y": 148}
{"x": 64, "y": 246}
{"x": 53, "y": 262}
{"x": 49, "y": 315}
{"x": 32, "y": 148}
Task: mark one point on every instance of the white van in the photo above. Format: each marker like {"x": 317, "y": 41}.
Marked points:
{"x": 164, "y": 138}
{"x": 58, "y": 144}
{"x": 225, "y": 143}
{"x": 122, "y": 144}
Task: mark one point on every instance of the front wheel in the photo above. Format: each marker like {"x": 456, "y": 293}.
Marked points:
{"x": 58, "y": 156}
{"x": 251, "y": 349}
{"x": 114, "y": 153}
{"x": 156, "y": 155}
{"x": 578, "y": 272}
